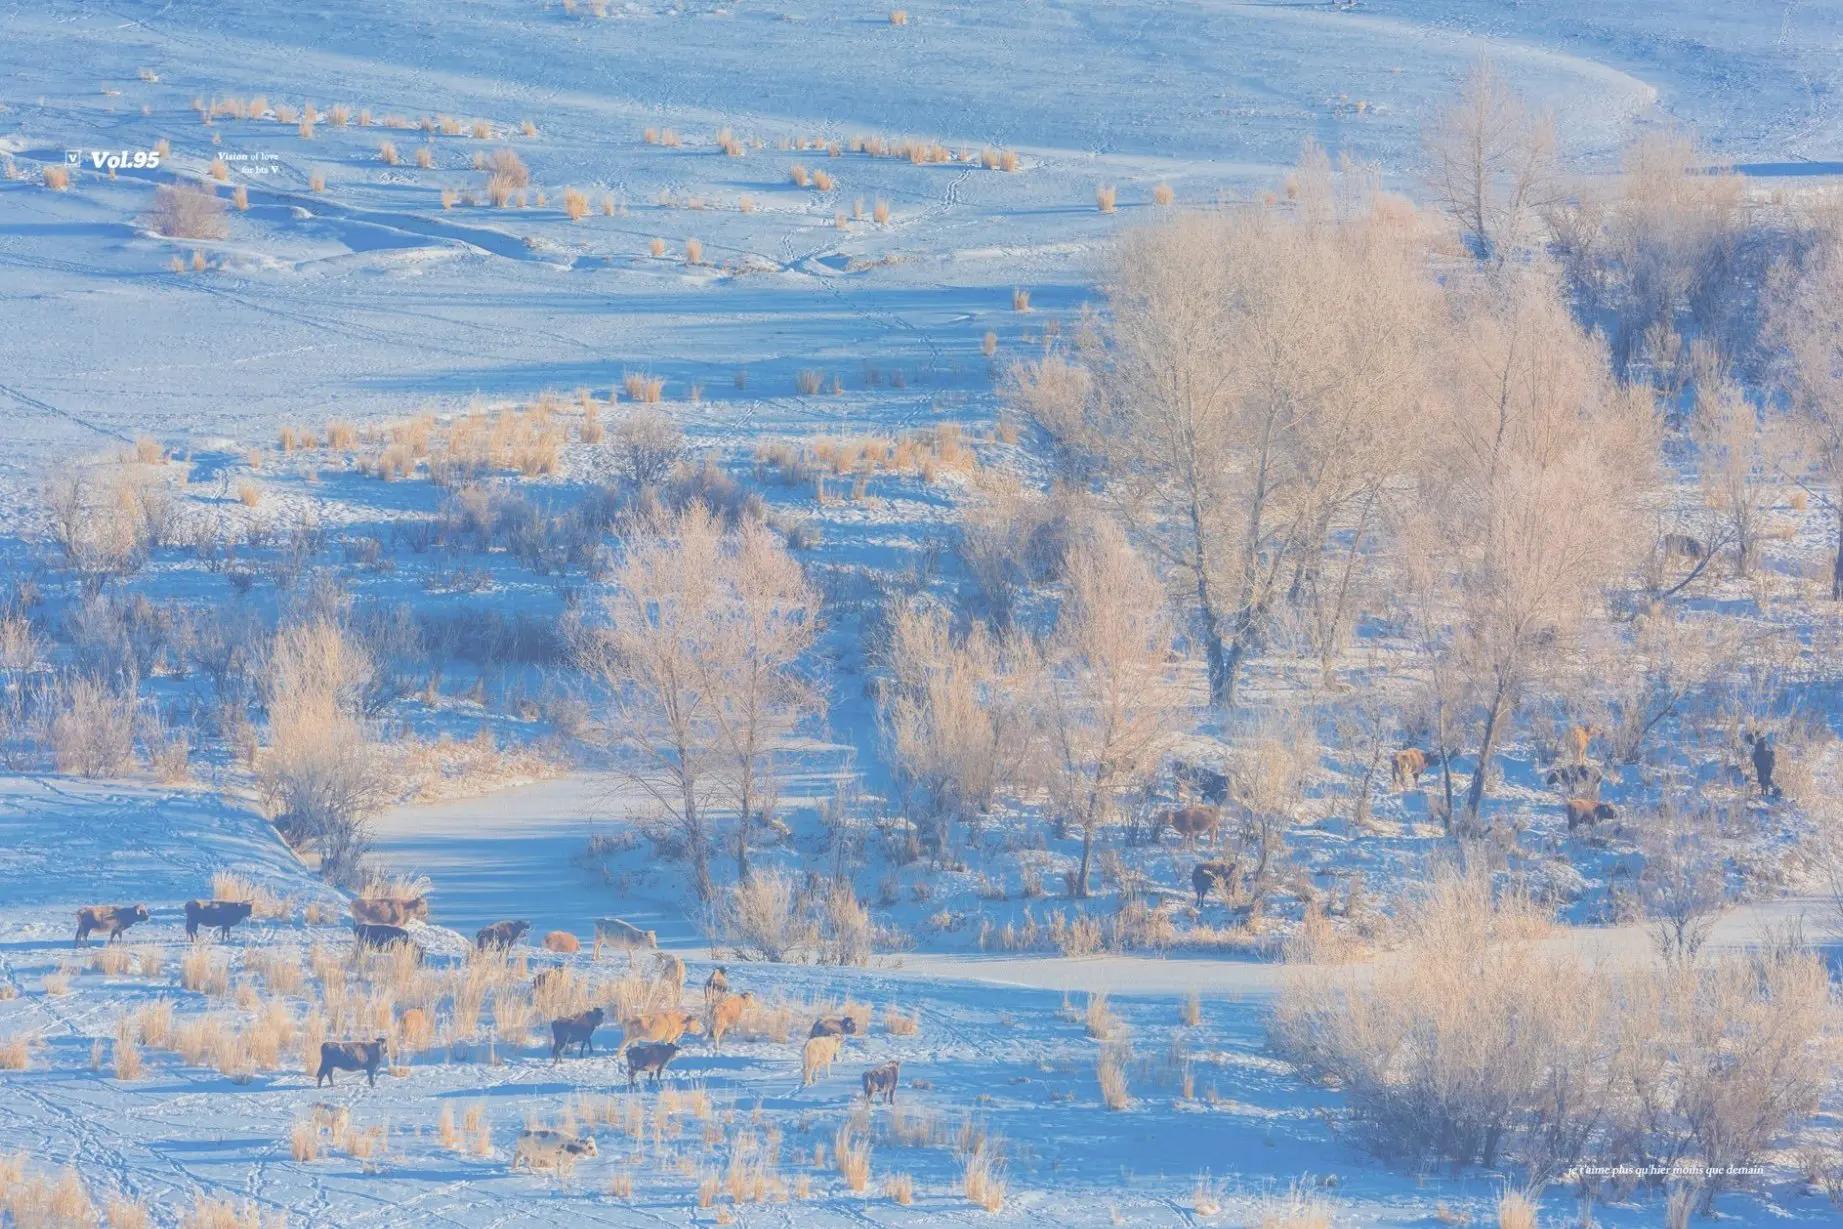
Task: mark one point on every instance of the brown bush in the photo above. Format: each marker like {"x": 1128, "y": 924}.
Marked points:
{"x": 184, "y": 212}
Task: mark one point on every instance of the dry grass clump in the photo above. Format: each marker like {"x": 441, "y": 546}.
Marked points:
{"x": 982, "y": 1177}
{"x": 228, "y": 885}
{"x": 205, "y": 970}
{"x": 1515, "y": 1210}
{"x": 1102, "y": 1024}
{"x": 387, "y": 153}
{"x": 16, "y": 1052}
{"x": 897, "y": 1024}
{"x": 32, "y": 1199}
{"x": 694, "y": 252}
{"x": 1162, "y": 194}
{"x": 1110, "y": 1073}
{"x": 219, "y": 169}
{"x": 575, "y": 204}
{"x": 121, "y": 1212}
{"x": 1299, "y": 1208}
{"x": 57, "y": 178}
{"x": 1105, "y": 196}
{"x": 316, "y": 182}
{"x": 182, "y": 211}
{"x": 851, "y": 1154}
{"x": 207, "y": 1213}
{"x": 127, "y": 1053}
{"x": 900, "y": 1187}
{"x": 1020, "y": 299}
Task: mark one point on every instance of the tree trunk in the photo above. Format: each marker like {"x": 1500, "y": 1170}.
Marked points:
{"x": 1836, "y": 574}
{"x": 1087, "y": 858}
{"x": 696, "y": 845}
{"x": 1487, "y": 746}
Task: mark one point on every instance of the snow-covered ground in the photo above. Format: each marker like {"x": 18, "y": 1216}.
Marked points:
{"x": 347, "y": 291}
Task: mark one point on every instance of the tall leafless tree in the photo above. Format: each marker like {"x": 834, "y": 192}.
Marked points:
{"x": 1806, "y": 326}
{"x": 1110, "y": 697}
{"x": 1254, "y": 392}
{"x": 1491, "y": 164}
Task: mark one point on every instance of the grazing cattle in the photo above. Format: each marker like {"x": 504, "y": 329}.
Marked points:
{"x": 833, "y": 1026}
{"x": 1764, "y": 761}
{"x": 817, "y": 1057}
{"x": 500, "y": 935}
{"x": 1577, "y": 779}
{"x": 661, "y": 1026}
{"x": 1685, "y": 546}
{"x": 1211, "y": 875}
{"x": 882, "y": 1081}
{"x": 1577, "y": 741}
{"x": 668, "y": 968}
{"x": 382, "y": 937}
{"x": 364, "y": 1056}
{"x": 577, "y": 1030}
{"x": 623, "y": 936}
{"x": 562, "y": 942}
{"x": 537, "y": 1150}
{"x": 649, "y": 1058}
{"x": 1190, "y": 822}
{"x": 223, "y": 914}
{"x": 716, "y": 986}
{"x": 1406, "y": 767}
{"x": 390, "y": 910}
{"x": 112, "y": 918}
{"x": 1587, "y": 811}
{"x": 332, "y": 1119}
{"x": 727, "y": 1012}
{"x": 1196, "y": 781}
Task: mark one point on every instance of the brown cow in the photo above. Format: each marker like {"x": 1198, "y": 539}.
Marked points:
{"x": 222, "y": 914}
{"x": 112, "y": 918}
{"x": 1211, "y": 875}
{"x": 1406, "y": 767}
{"x": 817, "y": 1057}
{"x": 1190, "y": 822}
{"x": 364, "y": 1056}
{"x": 727, "y": 1012}
{"x": 500, "y": 935}
{"x": 562, "y": 942}
{"x": 649, "y": 1058}
{"x": 716, "y": 986}
{"x": 1587, "y": 811}
{"x": 833, "y": 1026}
{"x": 882, "y": 1081}
{"x": 390, "y": 910}
{"x": 577, "y": 1030}
{"x": 661, "y": 1026}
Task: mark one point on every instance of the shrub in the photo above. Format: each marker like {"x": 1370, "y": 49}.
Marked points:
{"x": 387, "y": 153}
{"x": 646, "y": 444}
{"x": 694, "y": 252}
{"x": 93, "y": 732}
{"x": 1470, "y": 1046}
{"x": 764, "y": 918}
{"x": 185, "y": 212}
{"x": 1104, "y": 196}
{"x": 57, "y": 178}
{"x": 575, "y": 204}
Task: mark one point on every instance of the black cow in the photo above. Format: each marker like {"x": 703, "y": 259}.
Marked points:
{"x": 500, "y": 935}
{"x": 1209, "y": 876}
{"x": 379, "y": 936}
{"x": 112, "y": 918}
{"x": 833, "y": 1026}
{"x": 222, "y": 914}
{"x": 364, "y": 1056}
{"x": 1203, "y": 783}
{"x": 1765, "y": 759}
{"x": 577, "y": 1030}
